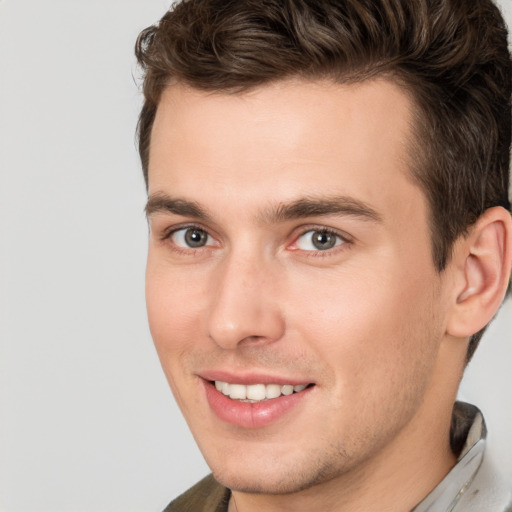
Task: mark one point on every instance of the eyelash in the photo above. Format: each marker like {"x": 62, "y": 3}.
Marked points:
{"x": 345, "y": 244}
{"x": 346, "y": 241}
{"x": 169, "y": 232}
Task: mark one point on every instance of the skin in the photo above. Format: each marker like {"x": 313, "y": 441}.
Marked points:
{"x": 365, "y": 321}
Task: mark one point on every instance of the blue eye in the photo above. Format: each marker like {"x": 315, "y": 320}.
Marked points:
{"x": 191, "y": 238}
{"x": 319, "y": 240}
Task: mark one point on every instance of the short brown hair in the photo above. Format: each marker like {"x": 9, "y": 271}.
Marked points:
{"x": 450, "y": 55}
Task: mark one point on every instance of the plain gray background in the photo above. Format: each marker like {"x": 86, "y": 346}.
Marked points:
{"x": 87, "y": 422}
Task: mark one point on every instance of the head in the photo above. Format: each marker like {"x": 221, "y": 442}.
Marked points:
{"x": 451, "y": 58}
{"x": 316, "y": 170}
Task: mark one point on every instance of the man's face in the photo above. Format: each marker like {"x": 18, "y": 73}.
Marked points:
{"x": 290, "y": 247}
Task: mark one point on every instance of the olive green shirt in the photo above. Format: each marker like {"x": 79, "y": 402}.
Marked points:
{"x": 206, "y": 496}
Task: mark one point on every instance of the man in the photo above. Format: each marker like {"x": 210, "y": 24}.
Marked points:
{"x": 330, "y": 235}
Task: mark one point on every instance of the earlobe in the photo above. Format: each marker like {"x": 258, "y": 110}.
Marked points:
{"x": 483, "y": 265}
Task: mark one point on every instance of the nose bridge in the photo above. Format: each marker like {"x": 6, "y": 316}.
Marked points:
{"x": 244, "y": 306}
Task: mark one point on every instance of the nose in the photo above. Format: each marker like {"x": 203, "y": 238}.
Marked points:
{"x": 244, "y": 309}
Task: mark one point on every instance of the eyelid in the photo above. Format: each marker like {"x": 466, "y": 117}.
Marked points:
{"x": 344, "y": 237}
{"x": 166, "y": 237}
{"x": 167, "y": 232}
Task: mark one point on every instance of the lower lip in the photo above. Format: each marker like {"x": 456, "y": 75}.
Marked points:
{"x": 251, "y": 415}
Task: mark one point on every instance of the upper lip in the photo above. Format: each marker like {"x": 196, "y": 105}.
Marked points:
{"x": 252, "y": 377}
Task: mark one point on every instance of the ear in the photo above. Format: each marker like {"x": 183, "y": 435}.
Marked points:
{"x": 482, "y": 263}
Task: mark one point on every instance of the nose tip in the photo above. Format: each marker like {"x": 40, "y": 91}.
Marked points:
{"x": 245, "y": 310}
{"x": 230, "y": 335}
{"x": 245, "y": 322}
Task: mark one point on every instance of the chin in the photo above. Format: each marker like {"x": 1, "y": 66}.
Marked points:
{"x": 257, "y": 485}
{"x": 273, "y": 479}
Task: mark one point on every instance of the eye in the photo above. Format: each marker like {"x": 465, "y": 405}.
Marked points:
{"x": 318, "y": 240}
{"x": 191, "y": 238}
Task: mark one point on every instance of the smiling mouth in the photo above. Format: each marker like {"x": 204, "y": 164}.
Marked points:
{"x": 255, "y": 393}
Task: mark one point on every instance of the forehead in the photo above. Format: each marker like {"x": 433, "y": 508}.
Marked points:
{"x": 283, "y": 141}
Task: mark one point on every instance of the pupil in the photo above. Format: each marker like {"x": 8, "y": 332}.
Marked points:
{"x": 195, "y": 238}
{"x": 323, "y": 240}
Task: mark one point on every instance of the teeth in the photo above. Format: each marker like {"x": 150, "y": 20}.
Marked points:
{"x": 256, "y": 392}
{"x": 272, "y": 390}
{"x": 287, "y": 389}
{"x": 238, "y": 391}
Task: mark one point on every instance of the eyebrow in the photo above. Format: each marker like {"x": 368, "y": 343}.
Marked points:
{"x": 300, "y": 208}
{"x": 321, "y": 206}
{"x": 162, "y": 203}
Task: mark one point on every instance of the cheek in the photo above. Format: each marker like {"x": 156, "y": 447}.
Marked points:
{"x": 173, "y": 304}
{"x": 172, "y": 307}
{"x": 369, "y": 329}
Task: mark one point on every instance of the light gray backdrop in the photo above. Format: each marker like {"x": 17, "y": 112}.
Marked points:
{"x": 87, "y": 423}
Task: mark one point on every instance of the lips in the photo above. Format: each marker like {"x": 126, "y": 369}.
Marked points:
{"x": 250, "y": 402}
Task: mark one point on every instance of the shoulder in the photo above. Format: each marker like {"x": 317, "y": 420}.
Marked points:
{"x": 206, "y": 496}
